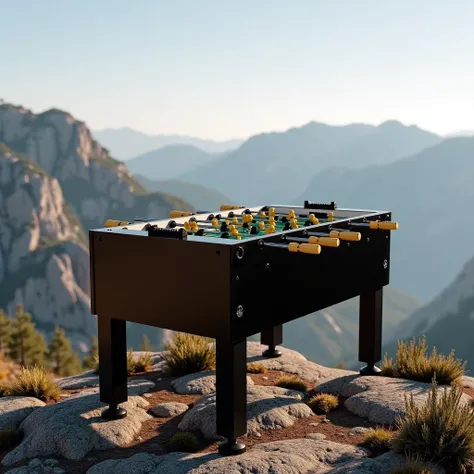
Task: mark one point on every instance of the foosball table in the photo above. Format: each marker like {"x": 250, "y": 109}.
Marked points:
{"x": 229, "y": 275}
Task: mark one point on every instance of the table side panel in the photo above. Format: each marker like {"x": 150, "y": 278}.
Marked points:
{"x": 275, "y": 286}
{"x": 166, "y": 283}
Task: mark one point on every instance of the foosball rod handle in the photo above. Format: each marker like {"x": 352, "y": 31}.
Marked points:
{"x": 345, "y": 235}
{"x": 180, "y": 214}
{"x": 229, "y": 207}
{"x": 324, "y": 241}
{"x": 115, "y": 223}
{"x": 313, "y": 249}
{"x": 383, "y": 225}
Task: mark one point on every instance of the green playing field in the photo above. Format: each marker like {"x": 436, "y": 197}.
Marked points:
{"x": 245, "y": 232}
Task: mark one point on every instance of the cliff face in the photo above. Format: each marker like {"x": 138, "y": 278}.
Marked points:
{"x": 43, "y": 255}
{"x": 96, "y": 185}
{"x": 56, "y": 182}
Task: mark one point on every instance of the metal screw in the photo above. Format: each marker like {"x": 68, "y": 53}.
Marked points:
{"x": 368, "y": 239}
{"x": 385, "y": 264}
{"x": 237, "y": 277}
{"x": 348, "y": 244}
{"x": 267, "y": 265}
{"x": 240, "y": 311}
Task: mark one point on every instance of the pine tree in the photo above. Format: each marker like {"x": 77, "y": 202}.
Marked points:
{"x": 27, "y": 346}
{"x": 5, "y": 332}
{"x": 65, "y": 361}
{"x": 146, "y": 345}
{"x": 90, "y": 361}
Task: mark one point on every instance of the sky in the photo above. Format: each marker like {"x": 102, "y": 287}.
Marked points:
{"x": 225, "y": 69}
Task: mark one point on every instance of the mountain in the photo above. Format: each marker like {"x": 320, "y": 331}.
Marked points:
{"x": 170, "y": 161}
{"x": 125, "y": 143}
{"x": 276, "y": 167}
{"x": 44, "y": 260}
{"x": 431, "y": 196}
{"x": 199, "y": 196}
{"x": 97, "y": 186}
{"x": 462, "y": 133}
{"x": 447, "y": 321}
{"x": 56, "y": 183}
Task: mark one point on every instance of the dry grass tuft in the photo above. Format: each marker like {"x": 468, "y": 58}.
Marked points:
{"x": 291, "y": 382}
{"x": 441, "y": 430}
{"x": 323, "y": 403}
{"x": 378, "y": 441}
{"x": 138, "y": 365}
{"x": 256, "y": 368}
{"x": 10, "y": 436}
{"x": 413, "y": 363}
{"x": 33, "y": 382}
{"x": 184, "y": 442}
{"x": 188, "y": 354}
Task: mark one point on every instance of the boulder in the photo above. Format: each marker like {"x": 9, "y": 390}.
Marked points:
{"x": 379, "y": 399}
{"x": 13, "y": 410}
{"x": 269, "y": 408}
{"x": 200, "y": 383}
{"x": 38, "y": 466}
{"x": 166, "y": 410}
{"x": 296, "y": 456}
{"x": 73, "y": 427}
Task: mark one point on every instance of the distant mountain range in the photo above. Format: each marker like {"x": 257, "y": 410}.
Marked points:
{"x": 276, "y": 167}
{"x": 447, "y": 321}
{"x": 201, "y": 198}
{"x": 125, "y": 143}
{"x": 431, "y": 196}
{"x": 170, "y": 161}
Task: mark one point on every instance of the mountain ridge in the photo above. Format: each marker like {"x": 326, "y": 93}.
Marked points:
{"x": 127, "y": 143}
{"x": 276, "y": 166}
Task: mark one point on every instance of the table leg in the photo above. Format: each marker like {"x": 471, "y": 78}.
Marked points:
{"x": 271, "y": 337}
{"x": 370, "y": 331}
{"x": 231, "y": 394}
{"x": 112, "y": 366}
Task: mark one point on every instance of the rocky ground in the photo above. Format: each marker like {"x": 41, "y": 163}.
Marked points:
{"x": 284, "y": 435}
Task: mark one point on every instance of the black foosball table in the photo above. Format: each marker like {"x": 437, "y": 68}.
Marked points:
{"x": 232, "y": 274}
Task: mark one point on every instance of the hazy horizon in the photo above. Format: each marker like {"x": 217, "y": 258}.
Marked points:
{"x": 221, "y": 71}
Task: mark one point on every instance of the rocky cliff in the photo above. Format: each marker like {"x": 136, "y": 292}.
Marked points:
{"x": 44, "y": 260}
{"x": 56, "y": 183}
{"x": 96, "y": 185}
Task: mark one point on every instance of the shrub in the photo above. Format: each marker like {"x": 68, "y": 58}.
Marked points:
{"x": 144, "y": 363}
{"x": 378, "y": 440}
{"x": 256, "y": 368}
{"x": 188, "y": 354}
{"x": 33, "y": 382}
{"x": 412, "y": 362}
{"x": 387, "y": 367}
{"x": 323, "y": 403}
{"x": 441, "y": 430}
{"x": 184, "y": 442}
{"x": 291, "y": 382}
{"x": 10, "y": 436}
{"x": 136, "y": 365}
